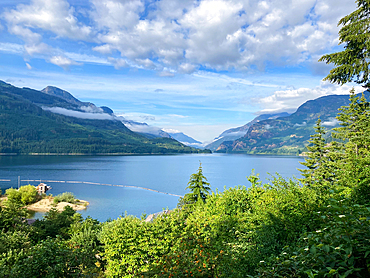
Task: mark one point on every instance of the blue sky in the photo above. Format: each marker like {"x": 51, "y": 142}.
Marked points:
{"x": 196, "y": 66}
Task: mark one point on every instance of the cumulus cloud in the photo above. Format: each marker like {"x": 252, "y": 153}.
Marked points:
{"x": 289, "y": 100}
{"x": 78, "y": 114}
{"x": 182, "y": 35}
{"x": 63, "y": 62}
{"x": 31, "y": 22}
{"x": 56, "y": 16}
{"x": 118, "y": 63}
{"x": 166, "y": 73}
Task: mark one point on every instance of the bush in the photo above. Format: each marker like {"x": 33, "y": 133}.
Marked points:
{"x": 28, "y": 194}
{"x": 24, "y": 195}
{"x": 340, "y": 248}
{"x": 65, "y": 197}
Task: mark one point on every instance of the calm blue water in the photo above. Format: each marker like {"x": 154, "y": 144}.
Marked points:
{"x": 167, "y": 173}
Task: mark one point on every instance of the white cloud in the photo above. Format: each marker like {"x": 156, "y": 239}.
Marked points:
{"x": 11, "y": 48}
{"x": 56, "y": 16}
{"x": 144, "y": 128}
{"x": 28, "y": 66}
{"x": 170, "y": 130}
{"x": 331, "y": 122}
{"x": 78, "y": 114}
{"x": 118, "y": 63}
{"x": 289, "y": 100}
{"x": 91, "y": 109}
{"x": 63, "y": 62}
{"x": 187, "y": 68}
{"x": 166, "y": 73}
{"x": 184, "y": 35}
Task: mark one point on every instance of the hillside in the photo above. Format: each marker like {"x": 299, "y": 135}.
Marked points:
{"x": 288, "y": 135}
{"x": 235, "y": 133}
{"x": 27, "y": 127}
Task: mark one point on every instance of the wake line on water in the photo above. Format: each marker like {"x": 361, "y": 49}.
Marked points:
{"x": 104, "y": 184}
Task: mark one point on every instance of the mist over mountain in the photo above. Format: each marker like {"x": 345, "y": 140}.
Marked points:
{"x": 32, "y": 121}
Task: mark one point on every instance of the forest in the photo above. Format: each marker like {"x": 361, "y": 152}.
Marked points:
{"x": 315, "y": 226}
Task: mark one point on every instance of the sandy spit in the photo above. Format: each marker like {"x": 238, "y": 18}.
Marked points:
{"x": 46, "y": 204}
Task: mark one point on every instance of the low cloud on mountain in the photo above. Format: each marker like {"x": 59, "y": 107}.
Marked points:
{"x": 78, "y": 114}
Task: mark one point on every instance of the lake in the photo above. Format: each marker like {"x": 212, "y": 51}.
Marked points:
{"x": 165, "y": 173}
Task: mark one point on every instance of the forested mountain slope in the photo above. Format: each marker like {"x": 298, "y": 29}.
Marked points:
{"x": 289, "y": 135}
{"x": 27, "y": 128}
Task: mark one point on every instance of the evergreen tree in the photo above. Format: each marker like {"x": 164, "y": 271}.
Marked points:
{"x": 352, "y": 64}
{"x": 198, "y": 186}
{"x": 316, "y": 152}
{"x": 321, "y": 162}
{"x": 355, "y": 133}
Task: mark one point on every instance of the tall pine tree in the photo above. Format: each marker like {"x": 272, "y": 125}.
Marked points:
{"x": 321, "y": 161}
{"x": 352, "y": 64}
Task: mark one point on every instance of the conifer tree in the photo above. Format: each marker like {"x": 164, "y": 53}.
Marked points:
{"x": 352, "y": 64}
{"x": 321, "y": 162}
{"x": 199, "y": 187}
{"x": 354, "y": 132}
{"x": 316, "y": 152}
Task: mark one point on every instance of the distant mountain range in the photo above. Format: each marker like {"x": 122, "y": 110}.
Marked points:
{"x": 282, "y": 133}
{"x": 235, "y": 133}
{"x": 53, "y": 121}
{"x": 285, "y": 134}
{"x": 183, "y": 138}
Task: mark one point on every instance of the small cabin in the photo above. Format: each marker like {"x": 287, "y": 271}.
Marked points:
{"x": 42, "y": 188}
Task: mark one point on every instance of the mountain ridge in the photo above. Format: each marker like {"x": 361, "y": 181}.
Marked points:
{"x": 25, "y": 127}
{"x": 289, "y": 135}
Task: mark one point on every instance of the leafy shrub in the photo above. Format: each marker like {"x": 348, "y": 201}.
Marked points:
{"x": 49, "y": 258}
{"x": 65, "y": 197}
{"x": 340, "y": 248}
{"x": 28, "y": 194}
{"x": 24, "y": 195}
{"x": 14, "y": 196}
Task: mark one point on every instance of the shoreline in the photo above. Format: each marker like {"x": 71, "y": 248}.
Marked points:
{"x": 93, "y": 154}
{"x": 47, "y": 204}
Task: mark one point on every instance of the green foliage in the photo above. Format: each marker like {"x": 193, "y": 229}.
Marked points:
{"x": 49, "y": 258}
{"x": 352, "y": 64}
{"x": 65, "y": 197}
{"x": 322, "y": 161}
{"x": 28, "y": 194}
{"x": 14, "y": 196}
{"x": 355, "y": 162}
{"x": 12, "y": 217}
{"x": 339, "y": 248}
{"x": 56, "y": 223}
{"x": 198, "y": 186}
{"x": 25, "y": 195}
{"x": 26, "y": 128}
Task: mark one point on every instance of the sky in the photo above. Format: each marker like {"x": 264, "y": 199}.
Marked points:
{"x": 199, "y": 66}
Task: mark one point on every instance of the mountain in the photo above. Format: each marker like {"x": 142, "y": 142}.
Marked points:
{"x": 32, "y": 121}
{"x": 145, "y": 129}
{"x": 183, "y": 138}
{"x": 289, "y": 135}
{"x": 235, "y": 133}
